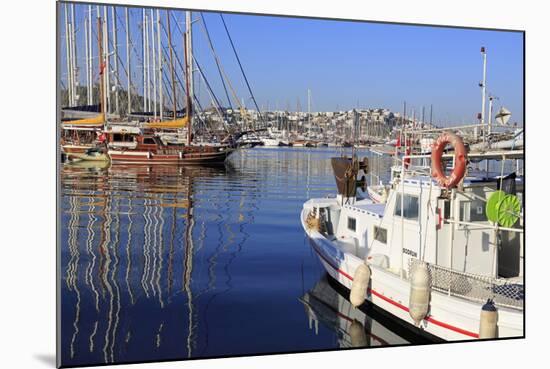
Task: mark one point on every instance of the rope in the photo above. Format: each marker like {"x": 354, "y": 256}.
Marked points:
{"x": 241, "y": 67}
{"x": 205, "y": 28}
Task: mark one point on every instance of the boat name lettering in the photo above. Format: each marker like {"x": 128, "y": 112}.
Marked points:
{"x": 410, "y": 252}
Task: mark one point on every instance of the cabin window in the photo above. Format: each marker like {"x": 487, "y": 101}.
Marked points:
{"x": 148, "y": 141}
{"x": 352, "y": 224}
{"x": 380, "y": 234}
{"x": 472, "y": 211}
{"x": 121, "y": 137}
{"x": 410, "y": 206}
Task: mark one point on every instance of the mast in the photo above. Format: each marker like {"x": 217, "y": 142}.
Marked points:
{"x": 422, "y": 114}
{"x": 171, "y": 62}
{"x": 159, "y": 57}
{"x": 107, "y": 66}
{"x": 68, "y": 57}
{"x": 101, "y": 63}
{"x": 87, "y": 49}
{"x": 482, "y": 85}
{"x": 189, "y": 74}
{"x": 308, "y": 113}
{"x": 90, "y": 63}
{"x": 147, "y": 63}
{"x": 143, "y": 60}
{"x": 151, "y": 23}
{"x": 73, "y": 57}
{"x": 403, "y": 121}
{"x": 490, "y": 121}
{"x": 128, "y": 64}
{"x": 115, "y": 50}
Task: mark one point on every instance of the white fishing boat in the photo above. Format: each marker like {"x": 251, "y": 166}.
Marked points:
{"x": 443, "y": 255}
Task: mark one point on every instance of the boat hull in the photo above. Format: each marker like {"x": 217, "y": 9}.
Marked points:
{"x": 191, "y": 158}
{"x": 450, "y": 318}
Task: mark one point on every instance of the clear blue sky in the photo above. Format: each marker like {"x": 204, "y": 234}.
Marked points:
{"x": 350, "y": 64}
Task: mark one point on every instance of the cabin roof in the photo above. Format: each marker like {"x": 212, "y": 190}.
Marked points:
{"x": 376, "y": 210}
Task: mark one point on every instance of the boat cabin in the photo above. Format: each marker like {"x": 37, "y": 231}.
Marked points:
{"x": 421, "y": 220}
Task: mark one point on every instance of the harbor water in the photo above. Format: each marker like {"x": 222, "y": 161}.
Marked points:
{"x": 167, "y": 263}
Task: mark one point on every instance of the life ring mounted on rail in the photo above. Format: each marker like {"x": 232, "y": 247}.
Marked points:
{"x": 459, "y": 169}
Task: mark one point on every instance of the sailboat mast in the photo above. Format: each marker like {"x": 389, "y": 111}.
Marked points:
{"x": 115, "y": 50}
{"x": 490, "y": 121}
{"x": 171, "y": 62}
{"x": 68, "y": 57}
{"x": 87, "y": 49}
{"x": 143, "y": 61}
{"x": 148, "y": 61}
{"x": 101, "y": 63}
{"x": 90, "y": 62}
{"x": 308, "y": 112}
{"x": 128, "y": 64}
{"x": 152, "y": 26}
{"x": 73, "y": 57}
{"x": 107, "y": 64}
{"x": 483, "y": 85}
{"x": 159, "y": 57}
{"x": 189, "y": 74}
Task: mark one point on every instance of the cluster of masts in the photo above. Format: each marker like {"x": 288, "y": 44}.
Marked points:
{"x": 153, "y": 57}
{"x": 165, "y": 88}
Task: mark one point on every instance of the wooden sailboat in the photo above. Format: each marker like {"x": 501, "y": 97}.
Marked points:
{"x": 149, "y": 144}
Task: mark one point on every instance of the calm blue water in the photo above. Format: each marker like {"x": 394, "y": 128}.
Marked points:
{"x": 162, "y": 263}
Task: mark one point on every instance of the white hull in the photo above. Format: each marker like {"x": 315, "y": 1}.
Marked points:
{"x": 270, "y": 142}
{"x": 450, "y": 318}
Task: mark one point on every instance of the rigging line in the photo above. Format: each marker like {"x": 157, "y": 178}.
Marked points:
{"x": 235, "y": 96}
{"x": 132, "y": 85}
{"x": 205, "y": 29}
{"x": 217, "y": 105}
{"x": 242, "y": 70}
{"x": 178, "y": 61}
{"x": 195, "y": 99}
{"x": 202, "y": 74}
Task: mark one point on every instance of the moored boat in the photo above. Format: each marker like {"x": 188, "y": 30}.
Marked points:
{"x": 444, "y": 255}
{"x": 135, "y": 145}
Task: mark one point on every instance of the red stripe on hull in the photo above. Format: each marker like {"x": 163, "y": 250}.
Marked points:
{"x": 395, "y": 303}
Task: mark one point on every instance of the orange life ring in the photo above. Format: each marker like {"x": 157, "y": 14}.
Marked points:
{"x": 460, "y": 160}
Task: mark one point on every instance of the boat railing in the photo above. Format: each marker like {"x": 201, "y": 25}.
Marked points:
{"x": 504, "y": 292}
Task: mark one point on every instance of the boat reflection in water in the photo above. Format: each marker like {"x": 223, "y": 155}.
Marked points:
{"x": 326, "y": 303}
{"x": 132, "y": 234}
{"x": 168, "y": 262}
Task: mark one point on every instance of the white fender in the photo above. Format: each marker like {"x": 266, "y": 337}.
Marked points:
{"x": 359, "y": 285}
{"x": 488, "y": 320}
{"x": 419, "y": 298}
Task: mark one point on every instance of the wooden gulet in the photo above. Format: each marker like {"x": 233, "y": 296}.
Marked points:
{"x": 159, "y": 142}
